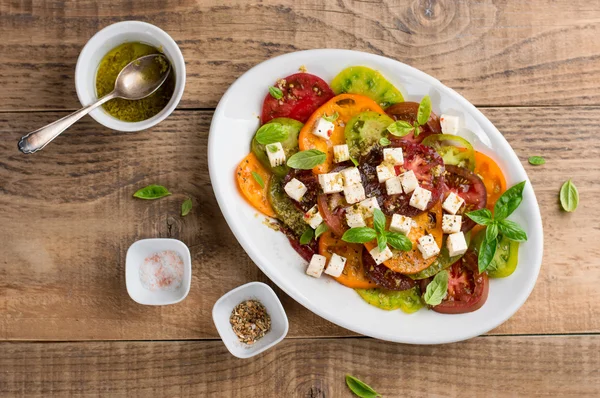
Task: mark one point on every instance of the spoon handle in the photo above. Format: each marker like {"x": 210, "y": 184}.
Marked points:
{"x": 38, "y": 139}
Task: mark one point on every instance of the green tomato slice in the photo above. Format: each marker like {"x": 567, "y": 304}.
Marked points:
{"x": 368, "y": 82}
{"x": 290, "y": 145}
{"x": 408, "y": 301}
{"x": 506, "y": 258}
{"x": 364, "y": 131}
{"x": 453, "y": 149}
{"x": 285, "y": 210}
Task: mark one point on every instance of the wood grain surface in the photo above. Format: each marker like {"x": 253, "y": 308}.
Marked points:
{"x": 68, "y": 218}
{"x": 502, "y": 52}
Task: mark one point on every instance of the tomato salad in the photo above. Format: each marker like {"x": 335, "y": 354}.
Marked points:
{"x": 381, "y": 194}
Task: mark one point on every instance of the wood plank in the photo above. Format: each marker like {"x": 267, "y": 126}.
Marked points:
{"x": 555, "y": 366}
{"x": 68, "y": 218}
{"x": 542, "y": 52}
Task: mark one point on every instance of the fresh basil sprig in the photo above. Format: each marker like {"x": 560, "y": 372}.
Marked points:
{"x": 569, "y": 196}
{"x": 378, "y": 232}
{"x": 402, "y": 128}
{"x": 361, "y": 389}
{"x": 497, "y": 224}
{"x": 152, "y": 192}
{"x": 275, "y": 92}
{"x": 271, "y": 133}
{"x": 437, "y": 289}
{"x": 306, "y": 160}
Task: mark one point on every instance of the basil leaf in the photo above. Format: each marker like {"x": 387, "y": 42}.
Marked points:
{"x": 381, "y": 242}
{"x": 360, "y": 389}
{"x": 417, "y": 129}
{"x": 186, "y": 207}
{"x": 321, "y": 229}
{"x": 359, "y": 235}
{"x": 378, "y": 221}
{"x": 307, "y": 236}
{"x": 271, "y": 133}
{"x": 306, "y": 160}
{"x": 332, "y": 118}
{"x": 400, "y": 128}
{"x": 509, "y": 201}
{"x": 258, "y": 179}
{"x": 424, "y": 110}
{"x": 437, "y": 289}
{"x": 275, "y": 92}
{"x": 152, "y": 192}
{"x": 491, "y": 232}
{"x": 512, "y": 231}
{"x": 487, "y": 250}
{"x": 569, "y": 196}
{"x": 481, "y": 216}
{"x": 354, "y": 161}
{"x": 272, "y": 148}
{"x": 399, "y": 241}
{"x": 536, "y": 160}
{"x": 383, "y": 141}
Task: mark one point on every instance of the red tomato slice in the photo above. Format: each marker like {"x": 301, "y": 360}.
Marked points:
{"x": 385, "y": 277}
{"x": 407, "y": 111}
{"x": 468, "y": 186}
{"x": 333, "y": 210}
{"x": 305, "y": 251}
{"x": 303, "y": 94}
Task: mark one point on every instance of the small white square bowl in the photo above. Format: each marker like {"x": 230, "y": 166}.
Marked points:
{"x": 136, "y": 254}
{"x": 256, "y": 291}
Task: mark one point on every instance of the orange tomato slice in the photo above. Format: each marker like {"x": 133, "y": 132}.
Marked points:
{"x": 492, "y": 177}
{"x": 251, "y": 189}
{"x": 346, "y": 106}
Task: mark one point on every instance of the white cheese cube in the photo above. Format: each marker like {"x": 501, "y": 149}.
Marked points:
{"x": 316, "y": 265}
{"x": 354, "y": 193}
{"x": 341, "y": 153}
{"x": 381, "y": 256}
{"x": 420, "y": 198}
{"x": 451, "y": 224}
{"x": 354, "y": 219}
{"x": 295, "y": 189}
{"x": 323, "y": 129}
{"x": 428, "y": 247}
{"x": 452, "y": 203}
{"x": 313, "y": 217}
{"x": 393, "y": 186}
{"x": 276, "y": 154}
{"x": 385, "y": 172}
{"x": 456, "y": 244}
{"x": 401, "y": 224}
{"x": 367, "y": 207}
{"x": 331, "y": 182}
{"x": 409, "y": 181}
{"x": 450, "y": 124}
{"x": 393, "y": 156}
{"x": 351, "y": 176}
{"x": 336, "y": 265}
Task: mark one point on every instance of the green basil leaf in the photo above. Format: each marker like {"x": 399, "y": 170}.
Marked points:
{"x": 360, "y": 389}
{"x": 271, "y": 133}
{"x": 417, "y": 129}
{"x": 399, "y": 241}
{"x": 307, "y": 236}
{"x": 491, "y": 232}
{"x": 536, "y": 160}
{"x": 383, "y": 141}
{"x": 359, "y": 235}
{"x": 487, "y": 250}
{"x": 186, "y": 207}
{"x": 509, "y": 201}
{"x": 569, "y": 196}
{"x": 258, "y": 179}
{"x": 381, "y": 242}
{"x": 152, "y": 192}
{"x": 354, "y": 161}
{"x": 272, "y": 148}
{"x": 424, "y": 110}
{"x": 437, "y": 289}
{"x": 275, "y": 92}
{"x": 306, "y": 160}
{"x": 332, "y": 118}
{"x": 378, "y": 221}
{"x": 321, "y": 229}
{"x": 512, "y": 231}
{"x": 481, "y": 216}
{"x": 400, "y": 128}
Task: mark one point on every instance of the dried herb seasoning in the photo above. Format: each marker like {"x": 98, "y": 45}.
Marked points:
{"x": 250, "y": 321}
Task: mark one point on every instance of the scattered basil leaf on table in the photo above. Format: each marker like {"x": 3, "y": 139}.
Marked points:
{"x": 399, "y": 241}
{"x": 332, "y": 118}
{"x": 359, "y": 235}
{"x": 321, "y": 229}
{"x": 271, "y": 133}
{"x": 383, "y": 141}
{"x": 186, "y": 207}
{"x": 360, "y": 389}
{"x": 307, "y": 236}
{"x": 400, "y": 128}
{"x": 424, "y": 111}
{"x": 152, "y": 192}
{"x": 306, "y": 160}
{"x": 536, "y": 160}
{"x": 258, "y": 179}
{"x": 275, "y": 92}
{"x": 569, "y": 196}
{"x": 437, "y": 289}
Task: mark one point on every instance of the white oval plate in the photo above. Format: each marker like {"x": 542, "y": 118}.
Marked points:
{"x": 235, "y": 122}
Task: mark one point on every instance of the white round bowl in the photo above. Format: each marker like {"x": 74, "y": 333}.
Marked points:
{"x": 233, "y": 126}
{"x": 107, "y": 39}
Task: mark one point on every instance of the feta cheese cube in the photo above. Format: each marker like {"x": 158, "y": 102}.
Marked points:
{"x": 456, "y": 244}
{"x": 351, "y": 176}
{"x": 336, "y": 265}
{"x": 420, "y": 198}
{"x": 331, "y": 182}
{"x": 409, "y": 181}
{"x": 276, "y": 154}
{"x": 354, "y": 219}
{"x": 295, "y": 189}
{"x": 393, "y": 186}
{"x": 313, "y": 217}
{"x": 452, "y": 203}
{"x": 385, "y": 172}
{"x": 393, "y": 156}
{"x": 323, "y": 128}
{"x": 401, "y": 224}
{"x": 316, "y": 265}
{"x": 367, "y": 207}
{"x": 450, "y": 124}
{"x": 341, "y": 153}
{"x": 428, "y": 247}
{"x": 354, "y": 193}
{"x": 381, "y": 256}
{"x": 451, "y": 224}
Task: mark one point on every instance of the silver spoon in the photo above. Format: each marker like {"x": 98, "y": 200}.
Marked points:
{"x": 137, "y": 80}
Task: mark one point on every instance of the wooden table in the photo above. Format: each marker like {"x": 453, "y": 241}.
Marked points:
{"x": 67, "y": 324}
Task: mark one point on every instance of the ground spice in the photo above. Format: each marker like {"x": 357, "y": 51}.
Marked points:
{"x": 250, "y": 321}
